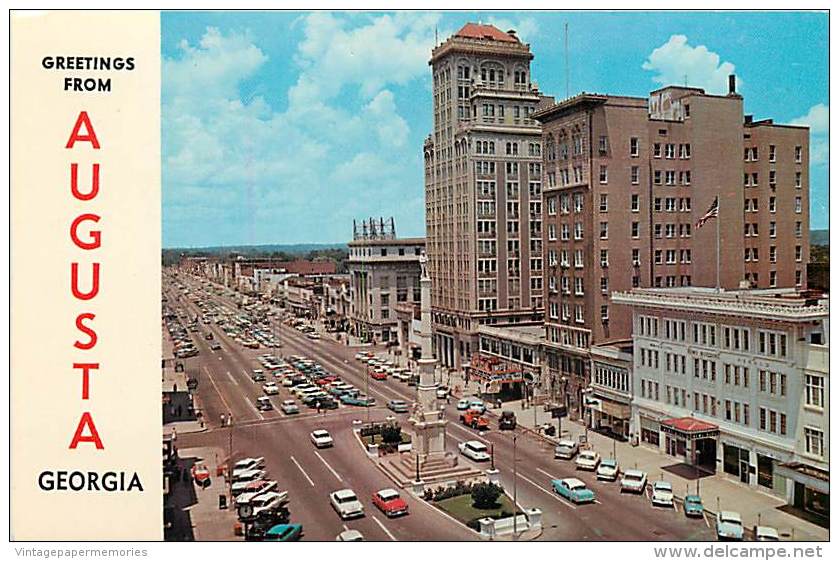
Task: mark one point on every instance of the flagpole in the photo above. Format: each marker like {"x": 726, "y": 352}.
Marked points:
{"x": 718, "y": 245}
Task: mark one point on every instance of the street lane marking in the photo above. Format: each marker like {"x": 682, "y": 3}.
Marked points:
{"x": 382, "y": 526}
{"x": 546, "y": 473}
{"x": 552, "y": 494}
{"x": 215, "y": 387}
{"x": 335, "y": 473}
{"x": 306, "y": 475}
{"x": 232, "y": 379}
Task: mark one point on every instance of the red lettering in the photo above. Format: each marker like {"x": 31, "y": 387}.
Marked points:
{"x": 75, "y": 136}
{"x": 87, "y": 331}
{"x": 86, "y": 422}
{"x": 86, "y": 367}
{"x": 74, "y": 282}
{"x": 95, "y": 235}
{"x": 74, "y": 183}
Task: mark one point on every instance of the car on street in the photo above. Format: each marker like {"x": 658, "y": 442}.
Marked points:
{"x": 289, "y": 407}
{"x": 258, "y": 375}
{"x": 607, "y": 470}
{"x": 573, "y": 489}
{"x": 284, "y": 533}
{"x": 587, "y": 460}
{"x": 350, "y": 536}
{"x": 390, "y": 503}
{"x": 244, "y": 477}
{"x": 266, "y": 502}
{"x": 766, "y": 534}
{"x": 474, "y": 450}
{"x": 566, "y": 449}
{"x": 634, "y": 480}
{"x": 507, "y": 420}
{"x": 314, "y": 336}
{"x": 397, "y": 406}
{"x": 321, "y": 439}
{"x": 729, "y": 526}
{"x": 442, "y": 392}
{"x": 254, "y": 489}
{"x": 346, "y": 503}
{"x": 324, "y": 402}
{"x": 215, "y": 345}
{"x": 379, "y": 375}
{"x": 201, "y": 475}
{"x": 472, "y": 418}
{"x": 271, "y": 388}
{"x": 463, "y": 404}
{"x": 359, "y": 400}
{"x": 693, "y": 506}
{"x": 662, "y": 494}
{"x": 263, "y": 403}
{"x": 477, "y": 405}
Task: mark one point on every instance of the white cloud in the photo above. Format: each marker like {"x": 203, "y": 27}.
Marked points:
{"x": 237, "y": 170}
{"x": 676, "y": 59}
{"x": 817, "y": 118}
{"x": 526, "y": 28}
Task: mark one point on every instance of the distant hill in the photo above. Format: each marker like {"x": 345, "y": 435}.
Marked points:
{"x": 819, "y": 237}
{"x": 268, "y": 248}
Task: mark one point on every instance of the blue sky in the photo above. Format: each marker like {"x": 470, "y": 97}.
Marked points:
{"x": 283, "y": 127}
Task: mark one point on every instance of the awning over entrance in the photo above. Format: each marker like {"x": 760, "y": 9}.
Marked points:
{"x": 811, "y": 476}
{"x": 617, "y": 410}
{"x": 690, "y": 428}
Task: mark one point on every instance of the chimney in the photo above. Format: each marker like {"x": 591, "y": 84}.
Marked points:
{"x": 732, "y": 84}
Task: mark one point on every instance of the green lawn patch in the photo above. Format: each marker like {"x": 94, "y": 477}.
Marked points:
{"x": 461, "y": 508}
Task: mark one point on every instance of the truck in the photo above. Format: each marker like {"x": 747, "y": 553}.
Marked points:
{"x": 474, "y": 419}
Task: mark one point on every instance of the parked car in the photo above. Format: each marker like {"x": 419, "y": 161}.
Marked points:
{"x": 474, "y": 450}
{"x": 507, "y": 420}
{"x": 254, "y": 489}
{"x": 477, "y": 405}
{"x": 662, "y": 494}
{"x": 216, "y": 346}
{"x": 246, "y": 464}
{"x": 588, "y": 460}
{"x": 201, "y": 475}
{"x": 271, "y": 388}
{"x": 729, "y": 526}
{"x": 397, "y": 406}
{"x": 359, "y": 400}
{"x": 573, "y": 489}
{"x": 463, "y": 405}
{"x": 346, "y": 503}
{"x": 289, "y": 407}
{"x": 271, "y": 500}
{"x": 284, "y": 533}
{"x": 693, "y": 506}
{"x": 258, "y": 375}
{"x": 379, "y": 375}
{"x": 321, "y": 439}
{"x": 263, "y": 403}
{"x": 766, "y": 534}
{"x": 390, "y": 503}
{"x": 607, "y": 470}
{"x": 634, "y": 480}
{"x": 566, "y": 449}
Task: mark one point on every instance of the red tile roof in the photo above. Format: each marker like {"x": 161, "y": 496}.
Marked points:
{"x": 689, "y": 424}
{"x": 479, "y": 31}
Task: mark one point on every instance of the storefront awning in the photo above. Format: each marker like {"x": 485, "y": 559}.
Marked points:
{"x": 807, "y": 475}
{"x": 690, "y": 428}
{"x": 617, "y": 410}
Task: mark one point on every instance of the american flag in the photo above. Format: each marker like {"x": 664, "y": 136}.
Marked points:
{"x": 713, "y": 212}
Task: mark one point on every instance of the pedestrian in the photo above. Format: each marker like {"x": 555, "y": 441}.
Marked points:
{"x": 222, "y": 419}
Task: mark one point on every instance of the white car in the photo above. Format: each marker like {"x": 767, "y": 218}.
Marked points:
{"x": 346, "y": 504}
{"x": 240, "y": 483}
{"x": 289, "y": 407}
{"x": 634, "y": 480}
{"x": 321, "y": 439}
{"x": 474, "y": 450}
{"x": 662, "y": 494}
{"x": 608, "y": 470}
{"x": 350, "y": 536}
{"x": 588, "y": 460}
{"x": 463, "y": 405}
{"x": 246, "y": 498}
{"x": 268, "y": 501}
{"x": 271, "y": 388}
{"x": 566, "y": 449}
{"x": 246, "y": 464}
{"x": 477, "y": 405}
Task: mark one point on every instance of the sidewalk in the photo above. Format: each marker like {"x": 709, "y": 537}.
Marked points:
{"x": 717, "y": 491}
{"x": 209, "y": 523}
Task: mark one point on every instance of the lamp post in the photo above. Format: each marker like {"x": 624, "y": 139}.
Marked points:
{"x": 696, "y": 466}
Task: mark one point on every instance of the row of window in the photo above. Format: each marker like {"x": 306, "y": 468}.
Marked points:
{"x": 752, "y": 154}
{"x": 753, "y": 179}
{"x": 769, "y": 343}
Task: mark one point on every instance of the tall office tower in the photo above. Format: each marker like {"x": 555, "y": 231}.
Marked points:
{"x": 482, "y": 189}
{"x": 627, "y": 180}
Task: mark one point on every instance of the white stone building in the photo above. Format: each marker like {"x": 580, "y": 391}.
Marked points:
{"x": 736, "y": 381}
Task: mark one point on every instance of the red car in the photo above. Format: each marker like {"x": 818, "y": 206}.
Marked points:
{"x": 379, "y": 375}
{"x": 201, "y": 475}
{"x": 389, "y": 502}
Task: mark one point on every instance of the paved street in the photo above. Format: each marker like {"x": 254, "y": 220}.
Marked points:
{"x": 309, "y": 475}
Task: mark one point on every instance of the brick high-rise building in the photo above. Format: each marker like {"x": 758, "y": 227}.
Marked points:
{"x": 482, "y": 188}
{"x": 625, "y": 181}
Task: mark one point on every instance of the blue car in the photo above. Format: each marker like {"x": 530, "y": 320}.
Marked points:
{"x": 693, "y": 506}
{"x": 573, "y": 489}
{"x": 361, "y": 401}
{"x": 284, "y": 533}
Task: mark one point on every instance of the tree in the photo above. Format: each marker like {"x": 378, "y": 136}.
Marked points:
{"x": 485, "y": 495}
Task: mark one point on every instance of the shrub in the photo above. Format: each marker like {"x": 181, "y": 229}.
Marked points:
{"x": 485, "y": 495}
{"x": 392, "y": 434}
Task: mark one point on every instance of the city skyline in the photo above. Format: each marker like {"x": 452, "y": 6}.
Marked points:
{"x": 351, "y": 94}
